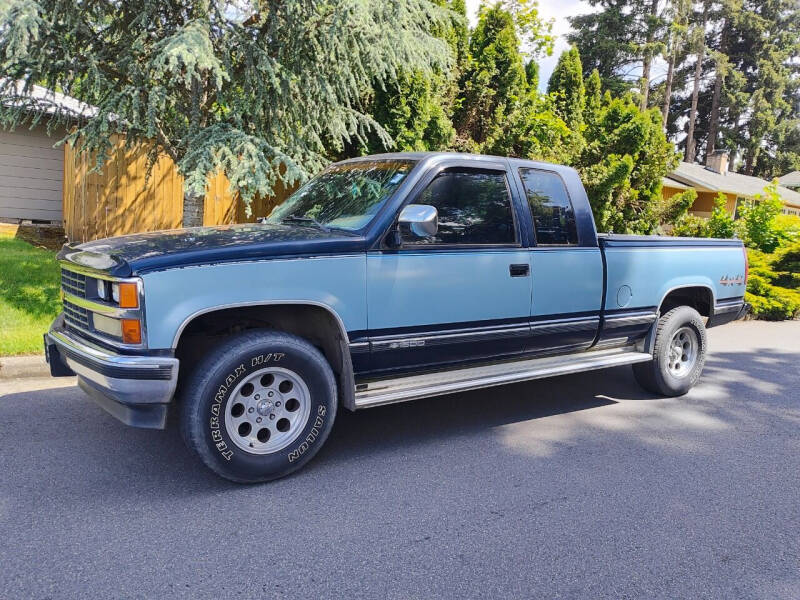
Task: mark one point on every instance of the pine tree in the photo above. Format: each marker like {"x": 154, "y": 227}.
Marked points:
{"x": 258, "y": 90}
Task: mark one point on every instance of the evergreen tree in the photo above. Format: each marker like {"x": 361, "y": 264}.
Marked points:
{"x": 566, "y": 87}
{"x": 495, "y": 76}
{"x": 258, "y": 90}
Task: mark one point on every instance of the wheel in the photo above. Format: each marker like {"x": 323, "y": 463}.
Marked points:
{"x": 259, "y": 406}
{"x": 678, "y": 356}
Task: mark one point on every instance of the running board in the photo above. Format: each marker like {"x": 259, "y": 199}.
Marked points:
{"x": 413, "y": 387}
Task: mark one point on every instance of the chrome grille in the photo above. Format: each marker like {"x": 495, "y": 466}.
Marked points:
{"x": 73, "y": 283}
{"x": 76, "y": 316}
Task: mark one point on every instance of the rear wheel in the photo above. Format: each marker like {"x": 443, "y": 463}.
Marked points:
{"x": 259, "y": 406}
{"x": 679, "y": 354}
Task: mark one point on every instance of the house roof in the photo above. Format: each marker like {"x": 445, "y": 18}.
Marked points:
{"x": 701, "y": 178}
{"x": 47, "y": 101}
{"x": 790, "y": 179}
{"x": 674, "y": 183}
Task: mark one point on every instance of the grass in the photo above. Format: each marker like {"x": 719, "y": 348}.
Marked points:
{"x": 29, "y": 294}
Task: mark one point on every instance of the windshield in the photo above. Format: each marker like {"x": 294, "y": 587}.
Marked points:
{"x": 343, "y": 196}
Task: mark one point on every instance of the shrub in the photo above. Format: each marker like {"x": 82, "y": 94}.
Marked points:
{"x": 759, "y": 219}
{"x": 691, "y": 226}
{"x": 720, "y": 224}
{"x": 773, "y": 287}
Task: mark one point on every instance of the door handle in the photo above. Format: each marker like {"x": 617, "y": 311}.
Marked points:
{"x": 519, "y": 270}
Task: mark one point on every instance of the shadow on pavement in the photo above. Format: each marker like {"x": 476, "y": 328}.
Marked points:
{"x": 61, "y": 437}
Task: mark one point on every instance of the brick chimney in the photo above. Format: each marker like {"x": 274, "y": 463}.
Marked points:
{"x": 718, "y": 162}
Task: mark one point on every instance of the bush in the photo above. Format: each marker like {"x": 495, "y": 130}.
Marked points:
{"x": 759, "y": 220}
{"x": 720, "y": 224}
{"x": 772, "y": 289}
{"x": 691, "y": 226}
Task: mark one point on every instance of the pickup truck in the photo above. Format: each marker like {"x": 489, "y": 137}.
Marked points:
{"x": 383, "y": 279}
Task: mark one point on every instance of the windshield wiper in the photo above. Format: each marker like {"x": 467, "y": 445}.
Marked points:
{"x": 304, "y": 220}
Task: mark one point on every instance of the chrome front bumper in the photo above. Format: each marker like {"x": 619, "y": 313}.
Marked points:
{"x": 135, "y": 389}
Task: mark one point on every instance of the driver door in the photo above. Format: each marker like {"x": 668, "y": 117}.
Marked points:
{"x": 461, "y": 295}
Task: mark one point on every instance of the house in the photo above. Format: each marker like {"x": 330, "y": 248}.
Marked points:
{"x": 791, "y": 181}
{"x": 715, "y": 177}
{"x": 43, "y": 184}
{"x": 31, "y": 169}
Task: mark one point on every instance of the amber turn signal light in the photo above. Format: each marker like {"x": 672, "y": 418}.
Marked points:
{"x": 131, "y": 331}
{"x": 128, "y": 295}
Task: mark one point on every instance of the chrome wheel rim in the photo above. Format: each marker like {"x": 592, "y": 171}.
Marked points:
{"x": 267, "y": 410}
{"x": 682, "y": 353}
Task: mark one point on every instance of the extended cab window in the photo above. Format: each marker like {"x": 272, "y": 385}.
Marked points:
{"x": 553, "y": 215}
{"x": 474, "y": 208}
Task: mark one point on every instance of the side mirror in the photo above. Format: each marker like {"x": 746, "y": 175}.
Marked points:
{"x": 419, "y": 220}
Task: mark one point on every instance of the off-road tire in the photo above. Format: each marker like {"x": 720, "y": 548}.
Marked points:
{"x": 219, "y": 380}
{"x": 658, "y": 376}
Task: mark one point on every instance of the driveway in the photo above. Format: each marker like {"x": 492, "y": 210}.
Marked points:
{"x": 576, "y": 487}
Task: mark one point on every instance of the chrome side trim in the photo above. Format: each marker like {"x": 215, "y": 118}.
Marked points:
{"x": 358, "y": 347}
{"x": 564, "y": 325}
{"x": 401, "y": 341}
{"x": 216, "y": 308}
{"x": 726, "y": 306}
{"x": 413, "y": 387}
{"x": 629, "y": 319}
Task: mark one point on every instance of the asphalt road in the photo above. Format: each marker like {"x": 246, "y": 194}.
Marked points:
{"x": 576, "y": 487}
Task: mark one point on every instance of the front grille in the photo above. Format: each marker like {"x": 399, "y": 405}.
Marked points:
{"x": 76, "y": 316}
{"x": 73, "y": 283}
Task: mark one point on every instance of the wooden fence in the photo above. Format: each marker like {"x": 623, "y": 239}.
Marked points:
{"x": 120, "y": 199}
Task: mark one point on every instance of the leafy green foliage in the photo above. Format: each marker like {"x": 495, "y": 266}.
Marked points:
{"x": 772, "y": 291}
{"x": 720, "y": 224}
{"x": 622, "y": 165}
{"x": 758, "y": 218}
{"x": 262, "y": 91}
{"x": 566, "y": 87}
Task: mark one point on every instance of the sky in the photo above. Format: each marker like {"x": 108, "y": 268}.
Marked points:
{"x": 558, "y": 10}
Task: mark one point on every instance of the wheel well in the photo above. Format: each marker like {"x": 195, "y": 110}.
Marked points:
{"x": 315, "y": 324}
{"x": 699, "y": 298}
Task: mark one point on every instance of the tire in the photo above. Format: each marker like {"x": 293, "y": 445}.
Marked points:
{"x": 671, "y": 374}
{"x": 259, "y": 406}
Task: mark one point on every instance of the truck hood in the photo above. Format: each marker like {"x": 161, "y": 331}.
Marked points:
{"x": 154, "y": 251}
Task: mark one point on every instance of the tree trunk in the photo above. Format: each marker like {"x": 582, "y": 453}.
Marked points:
{"x": 713, "y": 124}
{"x": 192, "y": 210}
{"x": 668, "y": 85}
{"x": 647, "y": 61}
{"x": 698, "y": 71}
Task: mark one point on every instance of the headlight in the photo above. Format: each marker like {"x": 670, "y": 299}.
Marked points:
{"x": 115, "y": 292}
{"x": 102, "y": 290}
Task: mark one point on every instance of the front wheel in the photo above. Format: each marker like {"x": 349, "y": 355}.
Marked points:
{"x": 259, "y": 406}
{"x": 679, "y": 354}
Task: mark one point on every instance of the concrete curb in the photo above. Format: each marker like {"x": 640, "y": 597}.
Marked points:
{"x": 23, "y": 367}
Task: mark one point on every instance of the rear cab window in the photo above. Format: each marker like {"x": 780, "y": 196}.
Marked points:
{"x": 551, "y": 208}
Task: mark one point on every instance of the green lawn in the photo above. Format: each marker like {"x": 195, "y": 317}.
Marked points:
{"x": 29, "y": 295}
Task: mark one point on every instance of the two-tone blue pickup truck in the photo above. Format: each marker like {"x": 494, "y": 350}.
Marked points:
{"x": 383, "y": 279}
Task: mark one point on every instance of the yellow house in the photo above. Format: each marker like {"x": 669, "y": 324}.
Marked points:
{"x": 714, "y": 177}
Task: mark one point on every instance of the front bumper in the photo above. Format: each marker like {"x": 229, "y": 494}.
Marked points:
{"x": 135, "y": 389}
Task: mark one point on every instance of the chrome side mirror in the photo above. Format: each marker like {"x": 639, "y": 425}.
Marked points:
{"x": 419, "y": 220}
